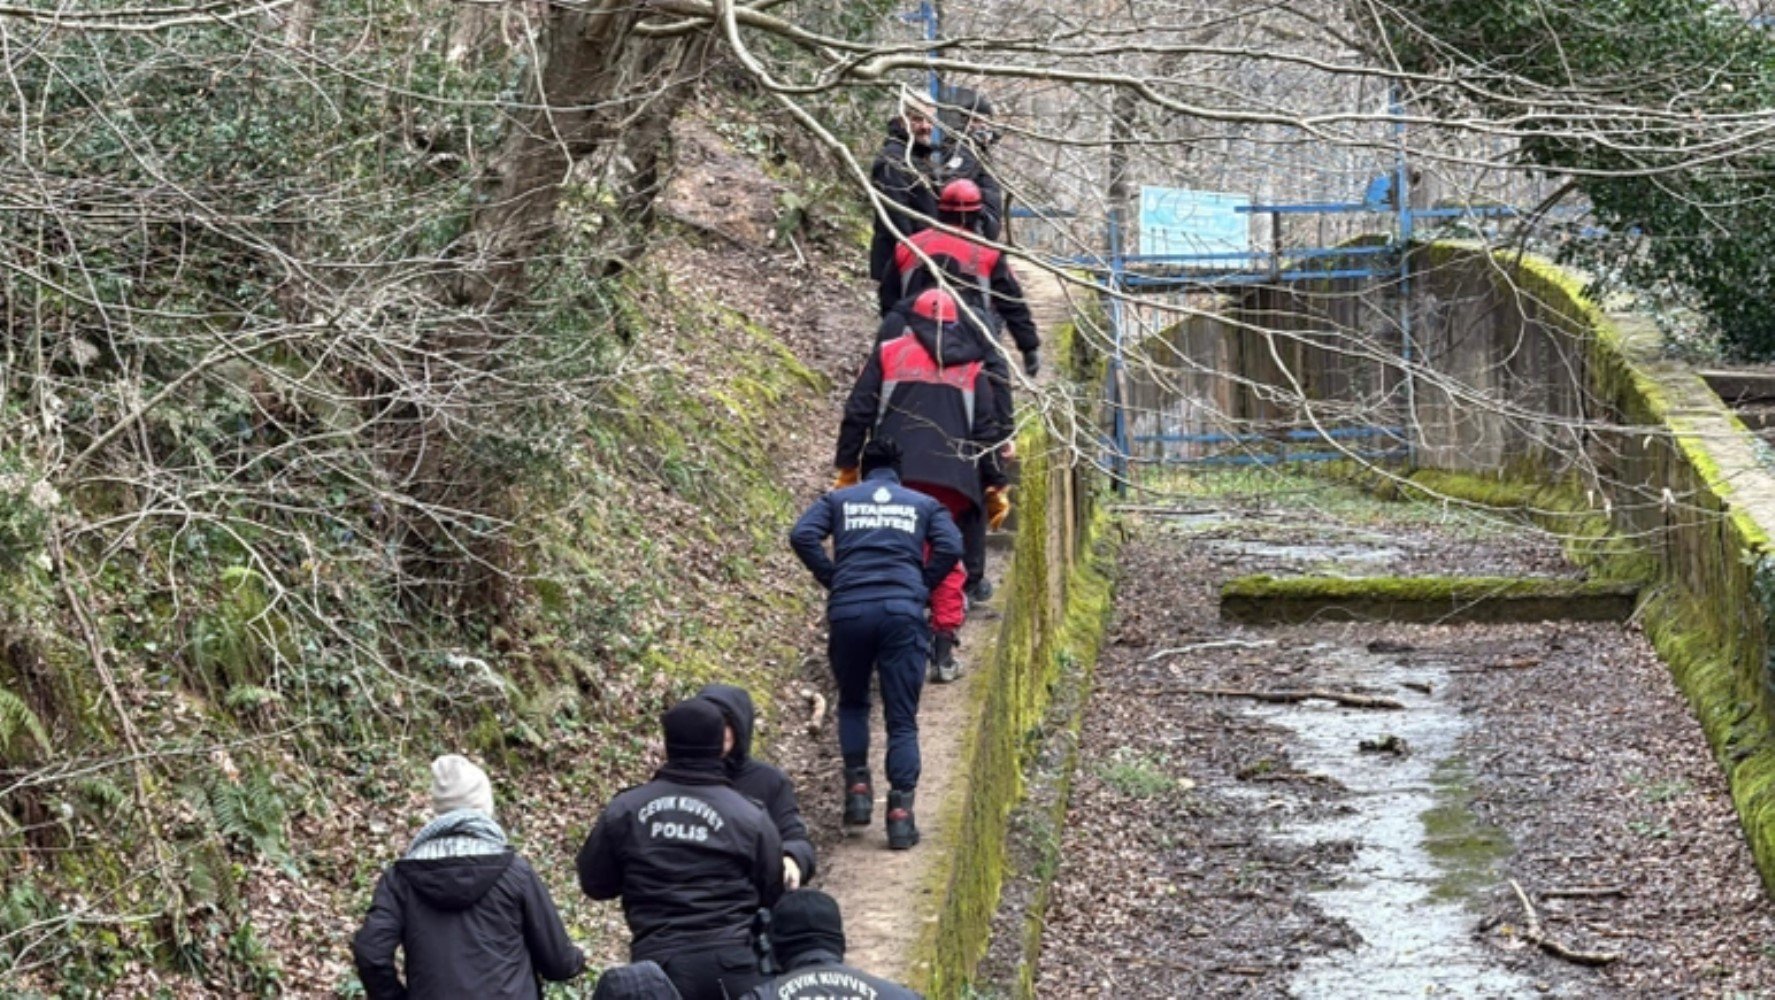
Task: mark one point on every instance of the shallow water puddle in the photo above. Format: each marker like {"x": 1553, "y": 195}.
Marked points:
{"x": 1311, "y": 552}
{"x": 1420, "y": 853}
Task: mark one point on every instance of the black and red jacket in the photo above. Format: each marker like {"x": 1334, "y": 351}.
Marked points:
{"x": 926, "y": 389}
{"x": 978, "y": 274}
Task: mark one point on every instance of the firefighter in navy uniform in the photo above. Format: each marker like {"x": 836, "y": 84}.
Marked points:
{"x": 879, "y": 580}
{"x": 809, "y": 946}
{"x": 692, "y": 859}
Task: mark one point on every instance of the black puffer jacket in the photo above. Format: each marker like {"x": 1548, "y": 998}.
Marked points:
{"x": 476, "y": 926}
{"x": 757, "y": 780}
{"x": 692, "y": 859}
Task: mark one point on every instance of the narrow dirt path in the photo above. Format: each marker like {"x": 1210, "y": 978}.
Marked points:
{"x": 1218, "y": 847}
{"x": 887, "y": 896}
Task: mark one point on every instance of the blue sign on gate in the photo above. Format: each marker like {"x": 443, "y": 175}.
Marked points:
{"x": 1176, "y": 221}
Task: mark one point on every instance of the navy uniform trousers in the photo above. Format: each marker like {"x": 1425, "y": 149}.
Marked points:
{"x": 893, "y": 639}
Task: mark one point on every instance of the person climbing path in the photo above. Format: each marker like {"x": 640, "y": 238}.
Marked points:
{"x": 891, "y": 547}
{"x": 809, "y": 946}
{"x": 884, "y": 895}
{"x": 927, "y": 391}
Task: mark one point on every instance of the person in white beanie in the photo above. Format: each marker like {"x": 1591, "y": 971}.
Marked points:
{"x": 472, "y": 917}
{"x": 456, "y": 783}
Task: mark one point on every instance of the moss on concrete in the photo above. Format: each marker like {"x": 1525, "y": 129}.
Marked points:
{"x": 1712, "y": 617}
{"x": 1057, "y": 598}
{"x": 1273, "y": 600}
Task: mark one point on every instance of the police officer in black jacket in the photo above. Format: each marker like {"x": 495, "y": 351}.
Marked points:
{"x": 809, "y": 943}
{"x": 968, "y": 138}
{"x": 764, "y": 783}
{"x": 879, "y": 578}
{"x": 692, "y": 859}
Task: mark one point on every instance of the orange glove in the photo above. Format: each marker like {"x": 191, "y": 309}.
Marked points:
{"x": 998, "y": 506}
{"x": 846, "y": 477}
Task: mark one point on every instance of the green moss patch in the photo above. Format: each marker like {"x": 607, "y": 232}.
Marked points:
{"x": 1675, "y": 478}
{"x": 1267, "y": 600}
{"x": 1056, "y": 605}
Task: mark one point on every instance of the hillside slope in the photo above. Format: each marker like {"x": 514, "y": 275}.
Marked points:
{"x": 654, "y": 561}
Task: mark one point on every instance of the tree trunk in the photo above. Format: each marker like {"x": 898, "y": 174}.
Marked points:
{"x": 596, "y": 81}
{"x": 598, "y": 90}
{"x": 299, "y": 23}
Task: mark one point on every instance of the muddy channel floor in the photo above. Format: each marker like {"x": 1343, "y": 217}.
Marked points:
{"x": 1220, "y": 847}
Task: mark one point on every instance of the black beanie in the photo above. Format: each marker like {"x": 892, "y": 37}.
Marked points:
{"x": 694, "y": 730}
{"x": 804, "y": 920}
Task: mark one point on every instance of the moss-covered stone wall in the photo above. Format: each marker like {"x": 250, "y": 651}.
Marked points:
{"x": 1681, "y": 477}
{"x": 1056, "y": 601}
{"x": 1523, "y": 393}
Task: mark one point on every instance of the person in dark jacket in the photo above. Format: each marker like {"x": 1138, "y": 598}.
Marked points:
{"x": 640, "y": 981}
{"x": 901, "y": 176}
{"x": 809, "y": 945}
{"x": 471, "y": 916}
{"x": 761, "y": 782}
{"x": 968, "y": 138}
{"x": 692, "y": 859}
{"x": 879, "y": 580}
{"x": 927, "y": 389}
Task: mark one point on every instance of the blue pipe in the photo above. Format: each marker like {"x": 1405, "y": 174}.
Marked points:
{"x": 1305, "y": 456}
{"x": 1335, "y": 434}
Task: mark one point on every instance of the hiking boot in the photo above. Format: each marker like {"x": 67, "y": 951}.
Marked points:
{"x": 978, "y": 589}
{"x": 859, "y": 797}
{"x": 944, "y": 667}
{"x": 902, "y": 831}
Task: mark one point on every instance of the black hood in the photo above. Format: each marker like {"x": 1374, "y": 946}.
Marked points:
{"x": 736, "y": 707}
{"x": 641, "y": 981}
{"x": 454, "y": 883}
{"x": 948, "y": 343}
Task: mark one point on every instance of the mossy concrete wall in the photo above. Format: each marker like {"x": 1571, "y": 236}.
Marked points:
{"x": 1055, "y": 602}
{"x": 1523, "y": 393}
{"x": 1681, "y": 477}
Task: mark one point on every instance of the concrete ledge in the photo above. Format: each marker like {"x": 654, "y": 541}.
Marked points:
{"x": 1266, "y": 600}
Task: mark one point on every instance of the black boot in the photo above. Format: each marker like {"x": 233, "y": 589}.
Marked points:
{"x": 943, "y": 666}
{"x": 902, "y": 830}
{"x": 859, "y": 797}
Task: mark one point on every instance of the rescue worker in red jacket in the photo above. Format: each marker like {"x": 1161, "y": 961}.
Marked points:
{"x": 927, "y": 388}
{"x": 979, "y": 274}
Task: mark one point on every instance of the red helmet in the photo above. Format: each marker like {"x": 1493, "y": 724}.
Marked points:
{"x": 935, "y": 304}
{"x": 960, "y": 195}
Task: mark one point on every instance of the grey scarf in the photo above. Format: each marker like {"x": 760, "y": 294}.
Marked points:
{"x": 459, "y": 833}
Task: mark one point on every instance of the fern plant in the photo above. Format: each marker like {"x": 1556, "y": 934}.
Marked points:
{"x": 17, "y": 718}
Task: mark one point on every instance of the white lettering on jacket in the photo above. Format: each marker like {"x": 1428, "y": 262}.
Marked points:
{"x": 864, "y": 516}
{"x": 703, "y": 818}
{"x": 829, "y": 985}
